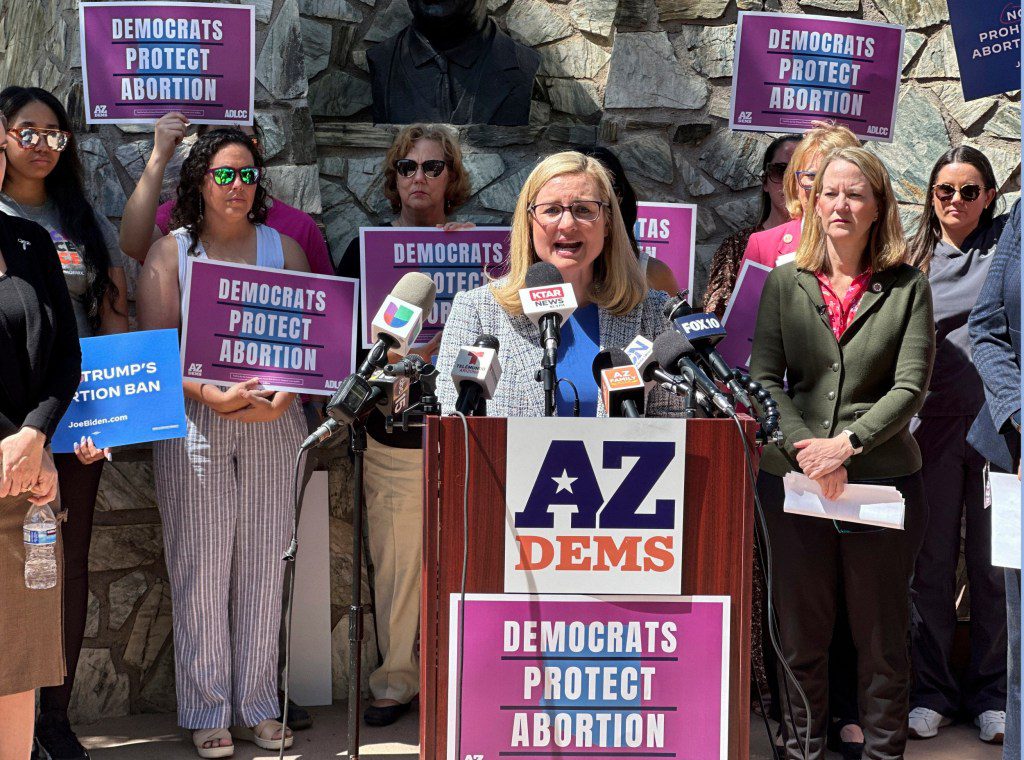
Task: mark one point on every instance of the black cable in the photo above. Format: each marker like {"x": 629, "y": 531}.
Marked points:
{"x": 575, "y": 393}
{"x": 773, "y": 633}
{"x": 289, "y": 556}
{"x": 462, "y": 586}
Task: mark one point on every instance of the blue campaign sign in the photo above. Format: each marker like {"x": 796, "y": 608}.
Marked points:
{"x": 987, "y": 38}
{"x": 130, "y": 392}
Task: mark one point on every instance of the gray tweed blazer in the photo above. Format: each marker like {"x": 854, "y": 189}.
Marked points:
{"x": 518, "y": 394}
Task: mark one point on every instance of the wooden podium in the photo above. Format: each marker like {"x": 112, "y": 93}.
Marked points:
{"x": 718, "y": 540}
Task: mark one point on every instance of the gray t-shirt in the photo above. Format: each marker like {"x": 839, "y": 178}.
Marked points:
{"x": 956, "y": 276}
{"x": 70, "y": 252}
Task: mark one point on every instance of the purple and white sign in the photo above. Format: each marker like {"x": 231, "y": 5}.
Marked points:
{"x": 792, "y": 69}
{"x": 668, "y": 232}
{"x": 740, "y": 318}
{"x": 141, "y": 60}
{"x": 455, "y": 261}
{"x": 292, "y": 330}
{"x": 580, "y": 676}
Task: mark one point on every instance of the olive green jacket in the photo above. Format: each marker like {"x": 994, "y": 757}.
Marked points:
{"x": 871, "y": 382}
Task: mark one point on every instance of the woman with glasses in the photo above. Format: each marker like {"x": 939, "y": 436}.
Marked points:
{"x": 424, "y": 182}
{"x": 44, "y": 184}
{"x": 567, "y": 216}
{"x": 224, "y": 491}
{"x": 845, "y": 343}
{"x": 954, "y": 245}
{"x": 144, "y": 222}
{"x": 725, "y": 264}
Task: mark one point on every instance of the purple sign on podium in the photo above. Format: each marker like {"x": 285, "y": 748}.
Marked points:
{"x": 668, "y": 232}
{"x": 294, "y": 331}
{"x": 141, "y": 60}
{"x": 575, "y": 676}
{"x": 740, "y": 317}
{"x": 792, "y": 69}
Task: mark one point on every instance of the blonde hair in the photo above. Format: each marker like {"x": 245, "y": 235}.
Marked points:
{"x": 457, "y": 191}
{"x": 887, "y": 246}
{"x": 618, "y": 285}
{"x": 823, "y": 138}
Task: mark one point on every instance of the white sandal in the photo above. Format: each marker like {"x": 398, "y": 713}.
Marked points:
{"x": 262, "y": 734}
{"x": 203, "y": 735}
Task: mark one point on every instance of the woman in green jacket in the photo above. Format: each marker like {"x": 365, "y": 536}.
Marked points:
{"x": 845, "y": 344}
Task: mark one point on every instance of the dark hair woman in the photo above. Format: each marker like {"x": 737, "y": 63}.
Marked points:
{"x": 44, "y": 183}
{"x": 235, "y": 463}
{"x": 657, "y": 273}
{"x": 39, "y": 375}
{"x": 956, "y": 237}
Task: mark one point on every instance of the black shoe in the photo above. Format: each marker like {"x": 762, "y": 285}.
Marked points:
{"x": 55, "y": 740}
{"x": 849, "y": 750}
{"x": 299, "y": 718}
{"x": 384, "y": 716}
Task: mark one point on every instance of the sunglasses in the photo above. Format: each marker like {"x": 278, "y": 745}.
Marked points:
{"x": 774, "y": 172}
{"x": 29, "y": 137}
{"x": 432, "y": 168}
{"x": 547, "y": 214}
{"x": 225, "y": 175}
{"x": 945, "y": 192}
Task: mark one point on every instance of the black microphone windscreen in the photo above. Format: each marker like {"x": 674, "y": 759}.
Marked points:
{"x": 486, "y": 341}
{"x": 669, "y": 347}
{"x": 608, "y": 358}
{"x": 543, "y": 273}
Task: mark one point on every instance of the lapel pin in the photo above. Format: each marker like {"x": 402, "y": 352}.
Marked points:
{"x": 877, "y": 287}
{"x": 787, "y": 238}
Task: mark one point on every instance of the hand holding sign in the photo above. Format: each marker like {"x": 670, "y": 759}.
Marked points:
{"x": 170, "y": 131}
{"x": 87, "y": 452}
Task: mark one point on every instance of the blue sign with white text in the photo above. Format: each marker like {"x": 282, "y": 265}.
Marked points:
{"x": 130, "y": 392}
{"x": 987, "y": 38}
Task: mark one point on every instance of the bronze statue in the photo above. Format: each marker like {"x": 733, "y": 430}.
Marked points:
{"x": 452, "y": 64}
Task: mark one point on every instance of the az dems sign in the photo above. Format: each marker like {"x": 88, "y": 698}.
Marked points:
{"x": 594, "y": 506}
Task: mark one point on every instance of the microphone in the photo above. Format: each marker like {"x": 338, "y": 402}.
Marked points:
{"x": 622, "y": 388}
{"x": 640, "y": 352}
{"x": 672, "y": 351}
{"x": 411, "y": 366}
{"x": 476, "y": 373}
{"x": 704, "y": 330}
{"x": 399, "y": 320}
{"x": 547, "y": 302}
{"x": 327, "y": 430}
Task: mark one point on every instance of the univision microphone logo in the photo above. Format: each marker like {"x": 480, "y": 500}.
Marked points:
{"x": 396, "y": 315}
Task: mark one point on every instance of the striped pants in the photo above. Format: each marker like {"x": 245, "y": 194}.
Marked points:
{"x": 224, "y": 493}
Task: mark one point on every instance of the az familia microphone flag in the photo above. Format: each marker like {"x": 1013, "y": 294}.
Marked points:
{"x": 294, "y": 331}
{"x": 141, "y": 60}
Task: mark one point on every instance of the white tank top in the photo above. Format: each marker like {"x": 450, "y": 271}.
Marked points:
{"x": 269, "y": 252}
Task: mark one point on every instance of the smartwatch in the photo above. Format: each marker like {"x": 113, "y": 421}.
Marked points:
{"x": 854, "y": 441}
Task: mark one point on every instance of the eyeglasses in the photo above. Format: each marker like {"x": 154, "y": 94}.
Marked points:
{"x": 431, "y": 168}
{"x": 225, "y": 175}
{"x": 805, "y": 179}
{"x": 945, "y": 192}
{"x": 29, "y": 137}
{"x": 774, "y": 172}
{"x": 582, "y": 211}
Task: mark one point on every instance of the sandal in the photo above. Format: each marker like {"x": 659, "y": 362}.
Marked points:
{"x": 204, "y": 735}
{"x": 262, "y": 735}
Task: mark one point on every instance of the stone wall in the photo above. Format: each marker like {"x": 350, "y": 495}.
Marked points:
{"x": 649, "y": 78}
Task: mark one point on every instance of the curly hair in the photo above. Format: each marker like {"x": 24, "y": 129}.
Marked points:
{"x": 65, "y": 187}
{"x": 188, "y": 210}
{"x": 457, "y": 191}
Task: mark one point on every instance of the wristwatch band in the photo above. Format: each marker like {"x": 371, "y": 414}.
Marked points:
{"x": 854, "y": 441}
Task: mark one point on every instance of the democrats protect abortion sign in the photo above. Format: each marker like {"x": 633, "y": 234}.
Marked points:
{"x": 668, "y": 232}
{"x": 141, "y": 60}
{"x": 292, "y": 330}
{"x": 595, "y": 507}
{"x": 577, "y": 676}
{"x": 130, "y": 392}
{"x": 987, "y": 38}
{"x": 455, "y": 261}
{"x": 792, "y": 69}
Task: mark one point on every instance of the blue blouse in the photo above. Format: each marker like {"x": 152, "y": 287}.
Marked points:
{"x": 581, "y": 342}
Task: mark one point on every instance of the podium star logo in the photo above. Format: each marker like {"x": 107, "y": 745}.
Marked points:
{"x": 564, "y": 482}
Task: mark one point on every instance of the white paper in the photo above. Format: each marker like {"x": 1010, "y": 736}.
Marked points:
{"x": 1005, "y": 520}
{"x": 869, "y": 505}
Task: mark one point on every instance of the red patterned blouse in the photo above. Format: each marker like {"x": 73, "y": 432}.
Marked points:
{"x": 841, "y": 311}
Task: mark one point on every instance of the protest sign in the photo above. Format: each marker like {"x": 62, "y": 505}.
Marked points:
{"x": 141, "y": 60}
{"x": 668, "y": 232}
{"x": 575, "y": 676}
{"x": 740, "y": 318}
{"x": 130, "y": 392}
{"x": 792, "y": 69}
{"x": 455, "y": 261}
{"x": 986, "y": 34}
{"x": 292, "y": 330}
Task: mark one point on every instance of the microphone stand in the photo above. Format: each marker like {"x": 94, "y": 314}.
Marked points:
{"x": 690, "y": 409}
{"x": 357, "y": 440}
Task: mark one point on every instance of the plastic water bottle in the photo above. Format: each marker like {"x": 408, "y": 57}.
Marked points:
{"x": 40, "y": 536}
